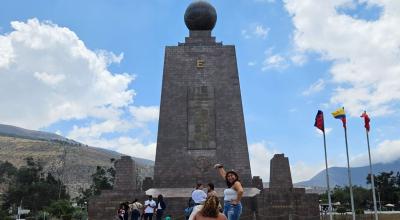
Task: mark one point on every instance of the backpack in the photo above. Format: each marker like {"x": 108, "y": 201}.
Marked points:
{"x": 188, "y": 211}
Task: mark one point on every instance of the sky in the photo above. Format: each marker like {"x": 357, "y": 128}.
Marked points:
{"x": 92, "y": 71}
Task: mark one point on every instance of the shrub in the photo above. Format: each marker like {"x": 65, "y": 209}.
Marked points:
{"x": 359, "y": 211}
{"x": 341, "y": 210}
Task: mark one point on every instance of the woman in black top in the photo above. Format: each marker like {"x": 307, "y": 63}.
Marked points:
{"x": 160, "y": 207}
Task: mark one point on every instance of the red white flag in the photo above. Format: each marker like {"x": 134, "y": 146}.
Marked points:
{"x": 366, "y": 120}
{"x": 319, "y": 121}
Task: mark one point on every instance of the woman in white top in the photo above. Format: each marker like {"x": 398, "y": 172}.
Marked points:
{"x": 233, "y": 194}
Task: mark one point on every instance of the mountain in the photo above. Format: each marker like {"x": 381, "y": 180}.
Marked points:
{"x": 71, "y": 161}
{"x": 338, "y": 175}
{"x": 13, "y": 131}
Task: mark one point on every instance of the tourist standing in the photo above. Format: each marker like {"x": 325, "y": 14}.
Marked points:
{"x": 160, "y": 207}
{"x": 233, "y": 194}
{"x": 199, "y": 197}
{"x": 210, "y": 210}
{"x": 135, "y": 208}
{"x": 126, "y": 210}
{"x": 149, "y": 206}
{"x": 210, "y": 190}
{"x": 121, "y": 212}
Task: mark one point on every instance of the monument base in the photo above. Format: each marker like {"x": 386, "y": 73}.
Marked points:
{"x": 105, "y": 205}
{"x": 177, "y": 200}
{"x": 283, "y": 204}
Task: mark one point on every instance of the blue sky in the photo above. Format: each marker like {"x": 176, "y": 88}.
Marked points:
{"x": 92, "y": 70}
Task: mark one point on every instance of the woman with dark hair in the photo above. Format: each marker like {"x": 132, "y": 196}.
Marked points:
{"x": 126, "y": 210}
{"x": 160, "y": 206}
{"x": 210, "y": 210}
{"x": 211, "y": 190}
{"x": 233, "y": 194}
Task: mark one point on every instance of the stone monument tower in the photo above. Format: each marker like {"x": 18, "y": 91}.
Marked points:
{"x": 201, "y": 116}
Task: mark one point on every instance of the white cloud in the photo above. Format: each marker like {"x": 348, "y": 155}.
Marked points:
{"x": 260, "y": 156}
{"x": 317, "y": 86}
{"x": 245, "y": 34}
{"x": 93, "y": 134}
{"x": 49, "y": 79}
{"x": 95, "y": 130}
{"x": 145, "y": 113}
{"x": 302, "y": 171}
{"x": 6, "y": 52}
{"x": 386, "y": 152}
{"x": 275, "y": 61}
{"x": 298, "y": 59}
{"x": 47, "y": 74}
{"x": 255, "y": 31}
{"x": 261, "y": 32}
{"x": 252, "y": 63}
{"x": 364, "y": 54}
{"x": 327, "y": 131}
{"x": 126, "y": 145}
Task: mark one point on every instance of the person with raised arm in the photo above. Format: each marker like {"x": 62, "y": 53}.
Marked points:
{"x": 233, "y": 194}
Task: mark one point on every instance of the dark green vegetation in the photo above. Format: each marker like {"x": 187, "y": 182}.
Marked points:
{"x": 387, "y": 189}
{"x": 44, "y": 195}
{"x": 102, "y": 179}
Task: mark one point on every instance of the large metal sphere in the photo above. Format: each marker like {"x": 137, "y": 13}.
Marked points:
{"x": 200, "y": 15}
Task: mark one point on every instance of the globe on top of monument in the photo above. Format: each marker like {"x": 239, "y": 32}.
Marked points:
{"x": 200, "y": 16}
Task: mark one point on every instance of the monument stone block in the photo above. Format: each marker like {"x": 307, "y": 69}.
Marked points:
{"x": 281, "y": 201}
{"x": 201, "y": 116}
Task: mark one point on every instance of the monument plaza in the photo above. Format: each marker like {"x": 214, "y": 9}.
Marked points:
{"x": 201, "y": 123}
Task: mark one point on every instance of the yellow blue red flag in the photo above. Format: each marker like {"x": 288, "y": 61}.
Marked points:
{"x": 340, "y": 114}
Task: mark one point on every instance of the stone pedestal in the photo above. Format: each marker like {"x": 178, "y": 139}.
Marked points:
{"x": 105, "y": 205}
{"x": 281, "y": 201}
{"x": 257, "y": 182}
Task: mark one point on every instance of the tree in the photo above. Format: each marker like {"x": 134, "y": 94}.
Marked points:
{"x": 32, "y": 188}
{"x": 102, "y": 179}
{"x": 342, "y": 195}
{"x": 386, "y": 184}
{"x": 61, "y": 209}
{"x": 7, "y": 170}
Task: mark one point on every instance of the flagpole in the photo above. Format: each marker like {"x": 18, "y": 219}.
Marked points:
{"x": 349, "y": 174}
{"x": 372, "y": 178}
{"x": 327, "y": 180}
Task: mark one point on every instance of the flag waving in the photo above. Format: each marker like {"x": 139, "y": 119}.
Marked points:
{"x": 340, "y": 114}
{"x": 366, "y": 120}
{"x": 319, "y": 121}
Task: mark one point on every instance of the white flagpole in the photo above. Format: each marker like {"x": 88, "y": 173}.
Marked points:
{"x": 372, "y": 178}
{"x": 327, "y": 180}
{"x": 349, "y": 174}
